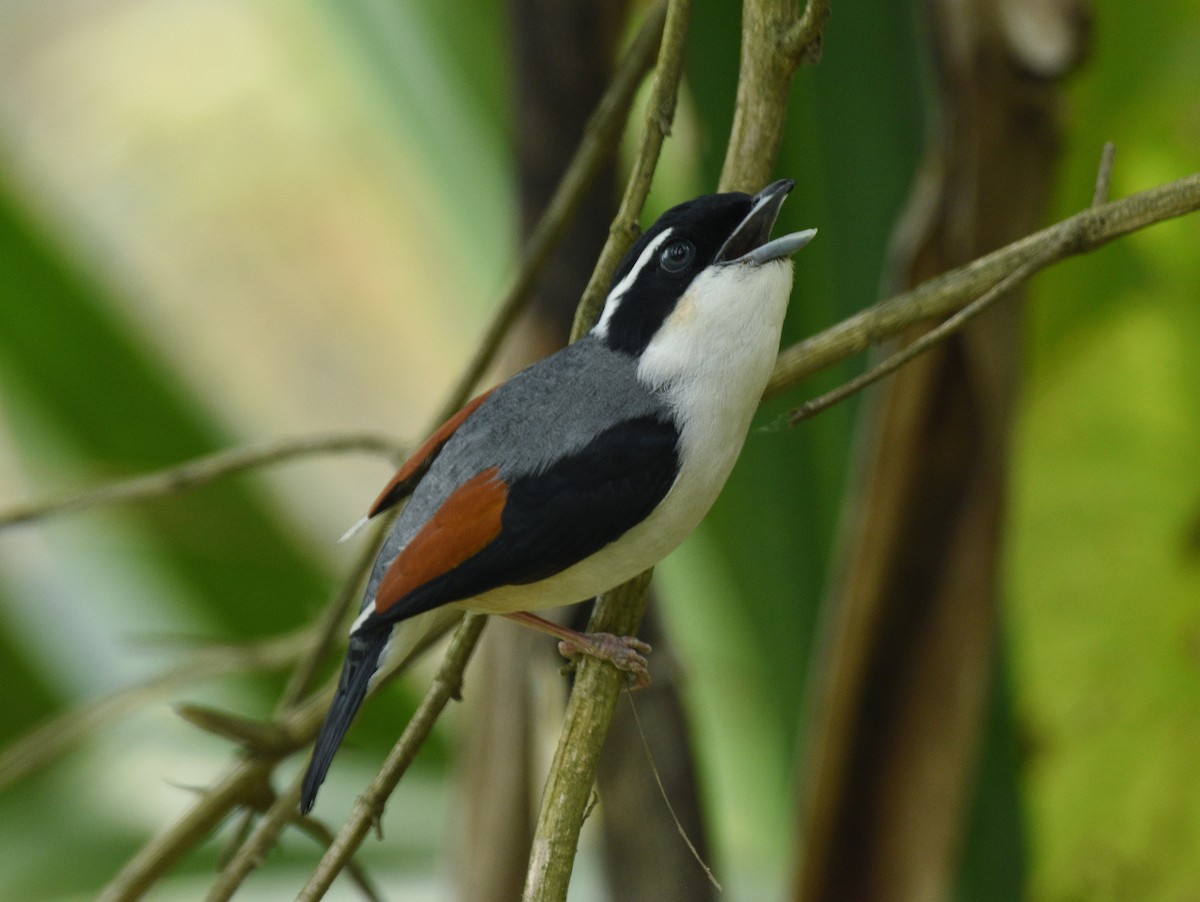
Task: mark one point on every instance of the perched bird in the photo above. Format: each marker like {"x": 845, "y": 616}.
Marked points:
{"x": 590, "y": 466}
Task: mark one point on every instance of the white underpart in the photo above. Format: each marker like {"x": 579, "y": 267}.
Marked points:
{"x": 711, "y": 359}
{"x": 613, "y": 301}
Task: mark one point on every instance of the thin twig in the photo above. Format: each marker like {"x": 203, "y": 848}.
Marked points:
{"x": 294, "y": 726}
{"x": 201, "y": 471}
{"x": 327, "y": 628}
{"x": 919, "y": 346}
{"x": 299, "y": 724}
{"x": 802, "y": 42}
{"x": 369, "y": 808}
{"x": 954, "y": 289}
{"x": 954, "y": 323}
{"x": 242, "y": 782}
{"x": 357, "y": 872}
{"x": 662, "y": 790}
{"x": 245, "y": 785}
{"x": 265, "y": 736}
{"x": 590, "y": 709}
{"x": 284, "y": 810}
{"x": 35, "y": 750}
{"x": 568, "y": 790}
{"x": 656, "y": 125}
{"x": 601, "y": 136}
{"x": 775, "y": 41}
{"x": 593, "y": 699}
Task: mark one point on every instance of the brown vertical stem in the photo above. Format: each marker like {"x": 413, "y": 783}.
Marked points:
{"x": 909, "y": 636}
{"x": 563, "y": 56}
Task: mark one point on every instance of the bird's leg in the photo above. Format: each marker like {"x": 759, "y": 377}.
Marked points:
{"x": 626, "y": 653}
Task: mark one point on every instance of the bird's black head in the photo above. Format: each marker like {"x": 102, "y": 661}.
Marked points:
{"x": 712, "y": 230}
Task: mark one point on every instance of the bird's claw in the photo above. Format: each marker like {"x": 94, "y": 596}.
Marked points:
{"x": 626, "y": 653}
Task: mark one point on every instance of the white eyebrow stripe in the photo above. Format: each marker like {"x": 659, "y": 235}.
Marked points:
{"x": 613, "y": 301}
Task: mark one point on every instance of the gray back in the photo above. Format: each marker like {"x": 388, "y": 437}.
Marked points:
{"x": 545, "y": 412}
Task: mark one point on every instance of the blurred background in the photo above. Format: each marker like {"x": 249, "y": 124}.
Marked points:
{"x": 222, "y": 223}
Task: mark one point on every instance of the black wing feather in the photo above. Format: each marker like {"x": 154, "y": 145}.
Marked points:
{"x": 565, "y": 513}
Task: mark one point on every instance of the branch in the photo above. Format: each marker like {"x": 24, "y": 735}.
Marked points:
{"x": 568, "y": 789}
{"x": 246, "y": 784}
{"x": 242, "y": 782}
{"x": 762, "y": 102}
{"x": 774, "y": 43}
{"x": 951, "y": 291}
{"x": 952, "y": 324}
{"x": 325, "y": 837}
{"x": 292, "y": 729}
{"x": 283, "y": 811}
{"x": 943, "y": 330}
{"x": 656, "y": 125}
{"x": 601, "y": 136}
{"x": 369, "y": 807}
{"x": 593, "y": 698}
{"x": 802, "y": 42}
{"x": 35, "y": 750}
{"x": 201, "y": 471}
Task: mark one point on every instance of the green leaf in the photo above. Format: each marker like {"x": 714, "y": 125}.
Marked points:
{"x": 120, "y": 411}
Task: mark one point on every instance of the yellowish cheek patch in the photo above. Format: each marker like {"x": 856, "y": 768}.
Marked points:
{"x": 684, "y": 312}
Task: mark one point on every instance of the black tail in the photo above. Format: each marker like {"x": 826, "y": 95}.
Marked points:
{"x": 362, "y": 658}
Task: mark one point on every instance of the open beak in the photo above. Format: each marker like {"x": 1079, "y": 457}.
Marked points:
{"x": 751, "y": 241}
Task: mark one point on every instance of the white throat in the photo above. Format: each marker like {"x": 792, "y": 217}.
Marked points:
{"x": 711, "y": 360}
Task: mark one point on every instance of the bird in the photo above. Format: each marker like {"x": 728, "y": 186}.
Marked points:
{"x": 590, "y": 466}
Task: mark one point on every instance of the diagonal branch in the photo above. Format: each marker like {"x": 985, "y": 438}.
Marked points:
{"x": 447, "y": 684}
{"x": 325, "y": 837}
{"x": 656, "y": 125}
{"x": 1052, "y": 250}
{"x": 201, "y": 471}
{"x": 594, "y": 696}
{"x": 601, "y": 137}
{"x": 951, "y": 291}
{"x": 52, "y": 739}
{"x": 938, "y": 333}
{"x": 758, "y": 126}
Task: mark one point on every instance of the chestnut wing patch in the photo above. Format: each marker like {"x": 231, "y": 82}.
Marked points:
{"x": 540, "y": 524}
{"x": 418, "y": 464}
{"x": 466, "y": 523}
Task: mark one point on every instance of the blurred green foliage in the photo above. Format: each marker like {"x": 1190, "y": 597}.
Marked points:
{"x": 1104, "y": 612}
{"x": 65, "y": 349}
{"x": 1087, "y": 778}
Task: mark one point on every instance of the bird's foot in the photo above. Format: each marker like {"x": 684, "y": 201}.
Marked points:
{"x": 626, "y": 653}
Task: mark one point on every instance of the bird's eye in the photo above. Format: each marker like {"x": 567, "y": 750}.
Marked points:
{"x": 677, "y": 256}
